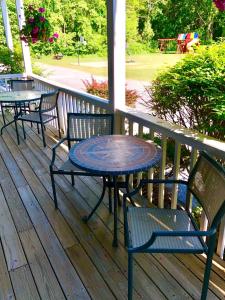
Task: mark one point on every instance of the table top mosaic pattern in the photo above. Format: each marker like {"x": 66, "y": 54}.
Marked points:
{"x": 115, "y": 155}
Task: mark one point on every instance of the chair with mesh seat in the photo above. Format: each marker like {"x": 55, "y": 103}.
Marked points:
{"x": 22, "y": 84}
{"x": 46, "y": 112}
{"x": 155, "y": 230}
{"x": 79, "y": 127}
{"x": 17, "y": 85}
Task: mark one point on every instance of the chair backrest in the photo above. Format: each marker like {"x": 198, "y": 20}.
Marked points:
{"x": 207, "y": 183}
{"x": 48, "y": 101}
{"x": 187, "y": 36}
{"x": 21, "y": 85}
{"x": 181, "y": 36}
{"x": 83, "y": 126}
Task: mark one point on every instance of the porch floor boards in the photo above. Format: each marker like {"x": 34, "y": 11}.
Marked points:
{"x": 51, "y": 254}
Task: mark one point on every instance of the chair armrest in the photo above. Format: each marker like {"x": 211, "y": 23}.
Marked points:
{"x": 54, "y": 150}
{"x": 156, "y": 234}
{"x": 147, "y": 181}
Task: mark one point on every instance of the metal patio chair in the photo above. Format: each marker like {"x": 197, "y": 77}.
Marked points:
{"x": 17, "y": 85}
{"x": 155, "y": 230}
{"x": 22, "y": 84}
{"x": 46, "y": 112}
{"x": 79, "y": 127}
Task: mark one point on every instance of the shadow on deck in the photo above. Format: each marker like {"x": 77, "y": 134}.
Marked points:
{"x": 49, "y": 254}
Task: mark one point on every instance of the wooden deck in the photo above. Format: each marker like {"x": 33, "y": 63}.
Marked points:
{"x": 51, "y": 254}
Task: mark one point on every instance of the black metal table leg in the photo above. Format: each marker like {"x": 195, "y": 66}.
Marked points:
{"x": 4, "y": 126}
{"x": 87, "y": 218}
{"x": 17, "y": 113}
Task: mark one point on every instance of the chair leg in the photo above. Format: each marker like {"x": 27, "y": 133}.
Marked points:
{"x": 110, "y": 199}
{"x": 24, "y": 133}
{"x": 208, "y": 266}
{"x": 53, "y": 188}
{"x": 38, "y": 130}
{"x": 130, "y": 276}
{"x": 17, "y": 133}
{"x": 43, "y": 134}
{"x": 72, "y": 180}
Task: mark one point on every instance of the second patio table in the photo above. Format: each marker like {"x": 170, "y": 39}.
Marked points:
{"x": 113, "y": 155}
{"x": 18, "y": 99}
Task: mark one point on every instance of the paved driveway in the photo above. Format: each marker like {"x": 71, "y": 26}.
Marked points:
{"x": 74, "y": 78}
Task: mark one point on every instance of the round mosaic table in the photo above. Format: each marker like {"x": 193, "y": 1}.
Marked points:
{"x": 18, "y": 99}
{"x": 113, "y": 155}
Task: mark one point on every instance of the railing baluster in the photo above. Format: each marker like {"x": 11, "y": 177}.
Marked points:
{"x": 60, "y": 110}
{"x": 150, "y": 173}
{"x": 189, "y": 198}
{"x": 130, "y": 130}
{"x": 176, "y": 174}
{"x": 221, "y": 239}
{"x": 139, "y": 175}
{"x": 203, "y": 224}
{"x": 162, "y": 172}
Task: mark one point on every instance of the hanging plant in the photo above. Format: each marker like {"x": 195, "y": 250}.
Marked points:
{"x": 37, "y": 28}
{"x": 220, "y": 4}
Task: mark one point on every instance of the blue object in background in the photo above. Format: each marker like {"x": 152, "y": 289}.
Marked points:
{"x": 181, "y": 197}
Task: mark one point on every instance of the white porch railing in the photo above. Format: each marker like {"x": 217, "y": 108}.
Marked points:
{"x": 134, "y": 122}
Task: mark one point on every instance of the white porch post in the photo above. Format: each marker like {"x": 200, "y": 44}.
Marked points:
{"x": 116, "y": 32}
{"x": 7, "y": 28}
{"x": 25, "y": 47}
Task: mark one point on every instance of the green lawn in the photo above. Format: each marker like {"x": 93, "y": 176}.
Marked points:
{"x": 138, "y": 67}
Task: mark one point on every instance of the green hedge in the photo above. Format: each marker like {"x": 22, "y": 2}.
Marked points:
{"x": 192, "y": 93}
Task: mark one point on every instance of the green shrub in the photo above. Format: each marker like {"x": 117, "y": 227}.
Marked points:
{"x": 100, "y": 89}
{"x": 13, "y": 61}
{"x": 192, "y": 93}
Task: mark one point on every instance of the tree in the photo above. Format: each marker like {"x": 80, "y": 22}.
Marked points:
{"x": 176, "y": 17}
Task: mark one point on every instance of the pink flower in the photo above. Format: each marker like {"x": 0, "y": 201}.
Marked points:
{"x": 34, "y": 40}
{"x": 31, "y": 20}
{"x": 55, "y": 35}
{"x": 42, "y": 19}
{"x": 41, "y": 9}
{"x": 220, "y": 4}
{"x": 34, "y": 32}
{"x": 51, "y": 40}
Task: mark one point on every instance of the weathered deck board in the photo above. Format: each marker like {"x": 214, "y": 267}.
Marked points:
{"x": 75, "y": 260}
{"x": 6, "y": 290}
{"x": 41, "y": 269}
{"x": 13, "y": 250}
{"x": 23, "y": 284}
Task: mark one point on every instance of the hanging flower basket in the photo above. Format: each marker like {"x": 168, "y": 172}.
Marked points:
{"x": 220, "y": 4}
{"x": 37, "y": 28}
